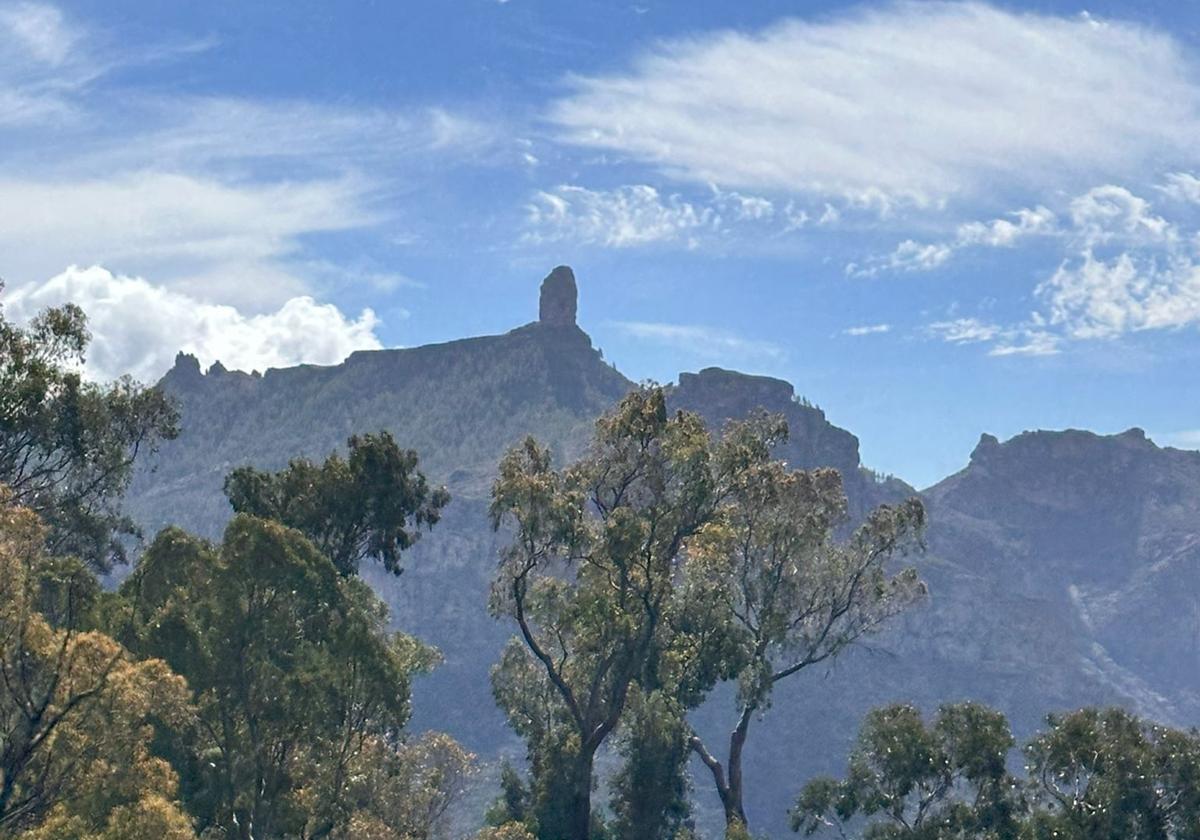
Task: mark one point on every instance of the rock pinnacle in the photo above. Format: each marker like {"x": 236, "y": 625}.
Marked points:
{"x": 559, "y": 298}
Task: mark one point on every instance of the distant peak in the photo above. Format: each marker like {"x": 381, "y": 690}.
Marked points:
{"x": 559, "y": 298}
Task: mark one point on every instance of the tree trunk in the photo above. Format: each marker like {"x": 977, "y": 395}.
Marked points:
{"x": 735, "y": 810}
{"x": 581, "y": 799}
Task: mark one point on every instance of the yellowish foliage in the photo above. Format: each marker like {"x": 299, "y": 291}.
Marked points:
{"x": 508, "y": 831}
{"x": 76, "y": 717}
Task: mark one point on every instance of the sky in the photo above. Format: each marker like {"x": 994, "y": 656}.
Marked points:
{"x": 936, "y": 219}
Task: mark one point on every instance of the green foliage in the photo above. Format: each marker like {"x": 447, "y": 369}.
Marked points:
{"x": 943, "y": 781}
{"x": 370, "y": 505}
{"x": 785, "y": 594}
{"x": 1094, "y": 774}
{"x": 67, "y": 446}
{"x": 650, "y": 791}
{"x": 294, "y": 672}
{"x": 1103, "y": 774}
{"x": 512, "y": 806}
{"x": 590, "y": 579}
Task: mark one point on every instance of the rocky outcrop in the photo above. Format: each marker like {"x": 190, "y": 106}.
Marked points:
{"x": 558, "y": 302}
{"x": 720, "y": 395}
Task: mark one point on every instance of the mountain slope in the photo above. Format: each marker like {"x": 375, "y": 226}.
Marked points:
{"x": 1064, "y": 567}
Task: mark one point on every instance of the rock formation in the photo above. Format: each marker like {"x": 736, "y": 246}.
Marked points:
{"x": 559, "y": 298}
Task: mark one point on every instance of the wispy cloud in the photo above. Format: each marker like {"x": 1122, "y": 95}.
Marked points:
{"x": 40, "y": 30}
{"x": 911, "y": 255}
{"x": 214, "y": 196}
{"x": 868, "y": 329}
{"x": 620, "y": 218}
{"x": 949, "y": 99}
{"x": 702, "y": 341}
{"x": 1021, "y": 340}
{"x": 964, "y": 330}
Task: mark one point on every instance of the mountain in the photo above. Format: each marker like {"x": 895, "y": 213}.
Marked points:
{"x": 1064, "y": 567}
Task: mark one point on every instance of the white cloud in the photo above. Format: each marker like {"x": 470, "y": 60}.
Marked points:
{"x": 868, "y": 329}
{"x": 964, "y": 330}
{"x": 911, "y": 255}
{"x": 216, "y": 197}
{"x": 227, "y": 242}
{"x": 1003, "y": 233}
{"x": 703, "y": 341}
{"x": 1091, "y": 297}
{"x": 623, "y": 217}
{"x": 1027, "y": 342}
{"x": 911, "y": 102}
{"x": 1182, "y": 186}
{"x": 1111, "y": 213}
{"x": 138, "y": 327}
{"x": 39, "y": 29}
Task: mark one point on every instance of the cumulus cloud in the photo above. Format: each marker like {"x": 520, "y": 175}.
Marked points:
{"x": 138, "y": 327}
{"x": 623, "y": 217}
{"x": 912, "y": 102}
{"x": 703, "y": 341}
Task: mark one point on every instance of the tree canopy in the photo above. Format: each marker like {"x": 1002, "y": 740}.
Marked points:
{"x": 79, "y": 715}
{"x": 1093, "y": 774}
{"x": 67, "y": 445}
{"x": 294, "y": 671}
{"x": 369, "y": 505}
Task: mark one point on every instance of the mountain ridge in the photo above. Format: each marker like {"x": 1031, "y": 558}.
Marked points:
{"x": 1064, "y": 566}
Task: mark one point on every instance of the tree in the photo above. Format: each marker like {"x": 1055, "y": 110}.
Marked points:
{"x": 1093, "y": 774}
{"x": 67, "y": 446}
{"x": 589, "y": 578}
{"x": 295, "y": 675}
{"x": 405, "y": 792}
{"x": 369, "y": 505}
{"x": 910, "y": 781}
{"x": 78, "y": 715}
{"x": 793, "y": 596}
{"x": 1103, "y": 774}
{"x": 650, "y": 791}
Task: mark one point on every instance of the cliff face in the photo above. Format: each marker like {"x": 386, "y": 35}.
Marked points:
{"x": 1064, "y": 567}
{"x": 720, "y": 395}
{"x": 1103, "y": 532}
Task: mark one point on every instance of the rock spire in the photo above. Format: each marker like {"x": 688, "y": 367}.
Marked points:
{"x": 559, "y": 298}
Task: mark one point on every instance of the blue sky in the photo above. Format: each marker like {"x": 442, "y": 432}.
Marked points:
{"x": 935, "y": 219}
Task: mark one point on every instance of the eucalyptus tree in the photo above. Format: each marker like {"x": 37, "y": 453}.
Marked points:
{"x": 68, "y": 445}
{"x": 591, "y": 580}
{"x": 79, "y": 716}
{"x": 371, "y": 504}
{"x": 794, "y": 595}
{"x": 912, "y": 780}
{"x": 295, "y": 674}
